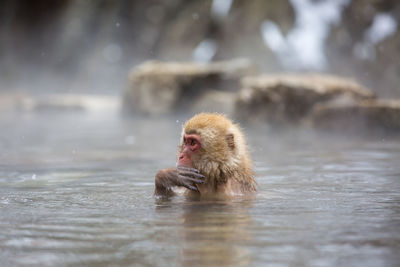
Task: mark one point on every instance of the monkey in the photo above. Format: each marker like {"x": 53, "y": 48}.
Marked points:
{"x": 212, "y": 160}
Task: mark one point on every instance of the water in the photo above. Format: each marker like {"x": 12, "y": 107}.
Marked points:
{"x": 76, "y": 189}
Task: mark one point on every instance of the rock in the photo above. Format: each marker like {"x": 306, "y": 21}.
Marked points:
{"x": 215, "y": 101}
{"x": 76, "y": 102}
{"x": 365, "y": 117}
{"x": 58, "y": 103}
{"x": 10, "y": 102}
{"x": 158, "y": 88}
{"x": 288, "y": 98}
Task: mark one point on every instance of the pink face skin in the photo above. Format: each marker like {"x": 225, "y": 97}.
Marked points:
{"x": 191, "y": 144}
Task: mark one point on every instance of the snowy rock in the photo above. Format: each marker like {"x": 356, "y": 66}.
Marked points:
{"x": 215, "y": 101}
{"x": 369, "y": 117}
{"x": 19, "y": 102}
{"x": 162, "y": 87}
{"x": 11, "y": 102}
{"x": 288, "y": 98}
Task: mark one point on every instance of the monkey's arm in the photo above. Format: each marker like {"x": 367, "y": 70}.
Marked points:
{"x": 166, "y": 179}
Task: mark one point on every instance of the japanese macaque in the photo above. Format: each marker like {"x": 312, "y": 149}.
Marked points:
{"x": 212, "y": 160}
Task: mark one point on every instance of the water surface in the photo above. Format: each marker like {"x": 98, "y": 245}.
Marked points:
{"x": 76, "y": 189}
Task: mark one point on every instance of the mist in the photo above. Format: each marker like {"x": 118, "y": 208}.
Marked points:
{"x": 90, "y": 46}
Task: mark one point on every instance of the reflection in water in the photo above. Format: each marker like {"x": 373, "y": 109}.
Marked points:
{"x": 214, "y": 234}
{"x": 211, "y": 232}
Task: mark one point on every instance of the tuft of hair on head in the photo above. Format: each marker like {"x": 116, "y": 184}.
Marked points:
{"x": 207, "y": 120}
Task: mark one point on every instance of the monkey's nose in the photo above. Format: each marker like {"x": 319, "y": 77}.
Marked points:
{"x": 181, "y": 156}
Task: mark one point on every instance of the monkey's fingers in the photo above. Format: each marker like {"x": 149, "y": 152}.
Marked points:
{"x": 191, "y": 174}
{"x": 190, "y": 186}
{"x": 182, "y": 168}
{"x": 190, "y": 179}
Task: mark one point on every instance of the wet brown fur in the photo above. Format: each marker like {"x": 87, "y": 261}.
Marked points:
{"x": 223, "y": 156}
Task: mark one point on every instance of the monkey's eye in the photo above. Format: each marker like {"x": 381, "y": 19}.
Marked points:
{"x": 192, "y": 142}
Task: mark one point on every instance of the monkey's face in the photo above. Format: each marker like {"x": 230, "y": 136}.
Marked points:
{"x": 189, "y": 150}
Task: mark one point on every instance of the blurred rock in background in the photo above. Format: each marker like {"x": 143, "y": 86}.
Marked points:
{"x": 373, "y": 117}
{"x": 162, "y": 88}
{"x": 56, "y": 103}
{"x": 288, "y": 98}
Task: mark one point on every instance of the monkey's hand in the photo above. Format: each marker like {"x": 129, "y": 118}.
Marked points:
{"x": 189, "y": 177}
{"x": 166, "y": 179}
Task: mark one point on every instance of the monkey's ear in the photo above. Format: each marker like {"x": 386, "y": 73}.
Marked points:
{"x": 230, "y": 141}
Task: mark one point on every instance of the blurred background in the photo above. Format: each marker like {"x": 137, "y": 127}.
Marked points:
{"x": 84, "y": 46}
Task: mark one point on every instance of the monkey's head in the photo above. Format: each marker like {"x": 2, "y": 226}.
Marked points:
{"x": 211, "y": 142}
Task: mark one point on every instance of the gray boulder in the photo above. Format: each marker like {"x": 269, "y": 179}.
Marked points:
{"x": 157, "y": 88}
{"x": 289, "y": 98}
{"x": 369, "y": 117}
{"x": 20, "y": 102}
